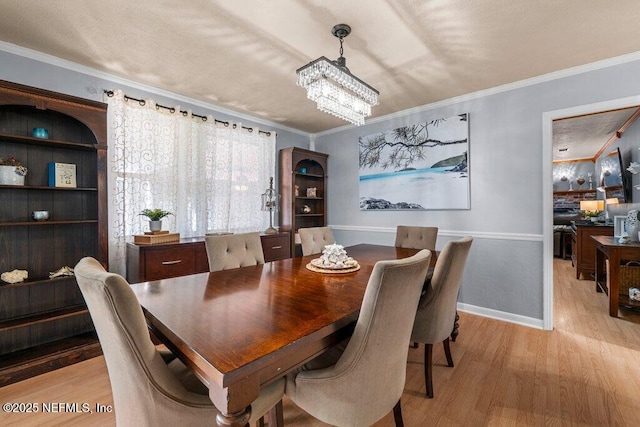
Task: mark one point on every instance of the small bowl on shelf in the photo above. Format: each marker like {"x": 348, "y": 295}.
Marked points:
{"x": 41, "y": 133}
{"x": 40, "y": 215}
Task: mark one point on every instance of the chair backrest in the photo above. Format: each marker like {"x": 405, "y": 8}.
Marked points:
{"x": 416, "y": 237}
{"x": 435, "y": 318}
{"x": 145, "y": 392}
{"x": 234, "y": 250}
{"x": 368, "y": 379}
{"x": 314, "y": 239}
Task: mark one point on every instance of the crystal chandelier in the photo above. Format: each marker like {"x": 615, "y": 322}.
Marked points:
{"x": 335, "y": 90}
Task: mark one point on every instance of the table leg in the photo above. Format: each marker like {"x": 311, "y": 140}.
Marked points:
{"x": 237, "y": 419}
{"x": 234, "y": 402}
{"x": 599, "y": 273}
{"x": 614, "y": 281}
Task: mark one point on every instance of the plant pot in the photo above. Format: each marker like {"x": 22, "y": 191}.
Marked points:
{"x": 155, "y": 225}
{"x": 8, "y": 176}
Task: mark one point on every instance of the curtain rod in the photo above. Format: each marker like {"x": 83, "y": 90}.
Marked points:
{"x": 142, "y": 102}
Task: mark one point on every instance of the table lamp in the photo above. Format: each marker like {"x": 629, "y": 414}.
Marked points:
{"x": 270, "y": 203}
{"x": 592, "y": 208}
{"x": 609, "y": 202}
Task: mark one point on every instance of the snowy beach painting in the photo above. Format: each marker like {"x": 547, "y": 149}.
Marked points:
{"x": 416, "y": 167}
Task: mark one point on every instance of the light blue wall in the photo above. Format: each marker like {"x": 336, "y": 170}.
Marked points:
{"x": 505, "y": 270}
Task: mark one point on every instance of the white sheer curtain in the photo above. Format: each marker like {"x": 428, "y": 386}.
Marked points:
{"x": 210, "y": 175}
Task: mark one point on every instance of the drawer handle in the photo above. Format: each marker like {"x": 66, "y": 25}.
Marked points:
{"x": 178, "y": 261}
{"x": 276, "y": 247}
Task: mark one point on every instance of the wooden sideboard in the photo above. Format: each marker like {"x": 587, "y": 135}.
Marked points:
{"x": 188, "y": 256}
{"x": 583, "y": 247}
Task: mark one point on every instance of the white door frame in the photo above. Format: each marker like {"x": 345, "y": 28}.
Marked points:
{"x": 547, "y": 189}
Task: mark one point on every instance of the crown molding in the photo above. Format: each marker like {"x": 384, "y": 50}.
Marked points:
{"x": 568, "y": 72}
{"x": 83, "y": 69}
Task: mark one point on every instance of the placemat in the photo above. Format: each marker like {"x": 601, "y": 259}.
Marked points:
{"x": 332, "y": 270}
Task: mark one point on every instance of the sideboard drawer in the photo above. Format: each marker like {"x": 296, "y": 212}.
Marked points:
{"x": 169, "y": 263}
{"x": 161, "y": 261}
{"x": 188, "y": 256}
{"x": 275, "y": 246}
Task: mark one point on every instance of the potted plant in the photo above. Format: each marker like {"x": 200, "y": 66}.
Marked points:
{"x": 592, "y": 215}
{"x": 12, "y": 172}
{"x": 155, "y": 218}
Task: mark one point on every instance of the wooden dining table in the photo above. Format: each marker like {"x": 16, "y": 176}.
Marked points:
{"x": 242, "y": 329}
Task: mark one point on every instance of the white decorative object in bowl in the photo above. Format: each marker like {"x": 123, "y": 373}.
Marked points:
{"x": 334, "y": 256}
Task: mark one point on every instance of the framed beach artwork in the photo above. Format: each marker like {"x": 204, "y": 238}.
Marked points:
{"x": 416, "y": 167}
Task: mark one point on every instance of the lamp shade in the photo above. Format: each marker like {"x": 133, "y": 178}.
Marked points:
{"x": 612, "y": 201}
{"x": 589, "y": 205}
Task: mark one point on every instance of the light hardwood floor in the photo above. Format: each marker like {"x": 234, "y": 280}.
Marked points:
{"x": 584, "y": 372}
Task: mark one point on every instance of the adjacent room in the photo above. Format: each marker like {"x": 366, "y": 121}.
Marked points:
{"x": 319, "y": 213}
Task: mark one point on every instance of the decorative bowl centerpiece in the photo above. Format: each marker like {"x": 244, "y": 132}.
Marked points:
{"x": 334, "y": 258}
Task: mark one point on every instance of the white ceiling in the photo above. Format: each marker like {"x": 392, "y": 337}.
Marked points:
{"x": 586, "y": 137}
{"x": 242, "y": 54}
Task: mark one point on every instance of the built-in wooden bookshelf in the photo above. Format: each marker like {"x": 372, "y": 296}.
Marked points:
{"x": 303, "y": 191}
{"x": 44, "y": 322}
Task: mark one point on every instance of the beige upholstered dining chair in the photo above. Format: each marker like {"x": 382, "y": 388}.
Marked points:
{"x": 147, "y": 391}
{"x": 437, "y": 307}
{"x": 416, "y": 237}
{"x": 234, "y": 250}
{"x": 314, "y": 239}
{"x": 360, "y": 385}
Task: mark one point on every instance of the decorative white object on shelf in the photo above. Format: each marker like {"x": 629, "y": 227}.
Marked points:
{"x": 634, "y": 167}
{"x": 15, "y": 276}
{"x": 62, "y": 271}
{"x": 634, "y": 294}
{"x": 10, "y": 176}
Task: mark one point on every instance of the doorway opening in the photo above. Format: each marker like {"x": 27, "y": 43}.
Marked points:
{"x": 548, "y": 119}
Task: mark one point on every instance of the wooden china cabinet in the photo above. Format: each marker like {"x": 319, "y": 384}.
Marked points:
{"x": 44, "y": 322}
{"x": 303, "y": 191}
